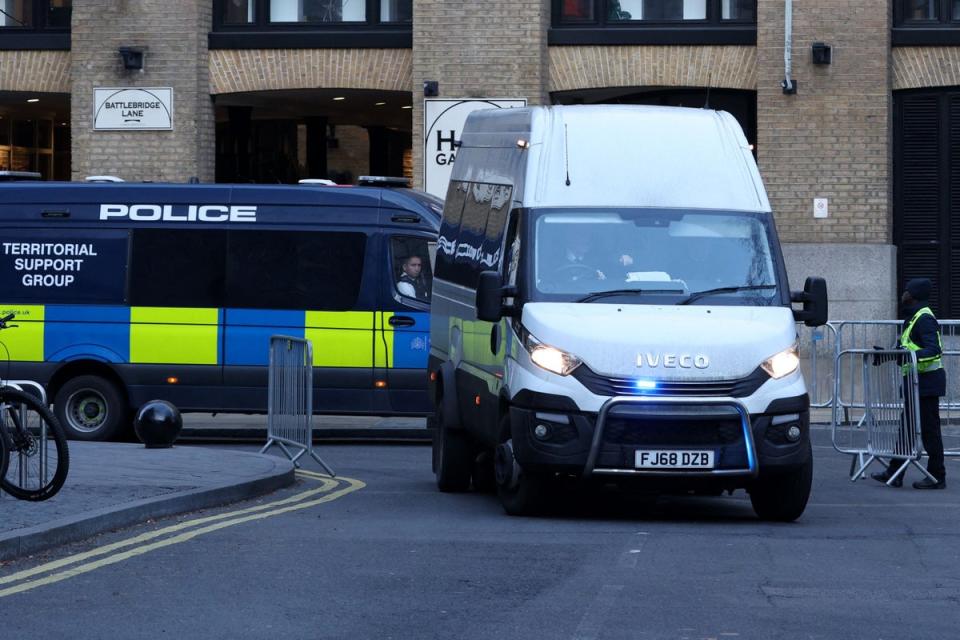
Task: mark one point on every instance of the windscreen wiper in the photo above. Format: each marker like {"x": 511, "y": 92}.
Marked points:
{"x": 709, "y": 292}
{"x": 596, "y": 295}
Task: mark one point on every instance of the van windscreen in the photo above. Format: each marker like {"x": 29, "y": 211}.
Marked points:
{"x": 646, "y": 255}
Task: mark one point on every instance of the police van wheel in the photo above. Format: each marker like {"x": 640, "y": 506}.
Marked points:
{"x": 90, "y": 408}
{"x": 783, "y": 497}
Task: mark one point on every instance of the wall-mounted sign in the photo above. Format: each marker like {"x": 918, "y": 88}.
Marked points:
{"x": 443, "y": 122}
{"x": 133, "y": 108}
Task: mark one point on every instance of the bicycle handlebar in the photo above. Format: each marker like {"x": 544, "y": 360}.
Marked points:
{"x": 4, "y": 320}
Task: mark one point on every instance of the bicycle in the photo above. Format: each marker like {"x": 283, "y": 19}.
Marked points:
{"x": 29, "y": 468}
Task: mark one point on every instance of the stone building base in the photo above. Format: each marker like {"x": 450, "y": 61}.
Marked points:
{"x": 861, "y": 278}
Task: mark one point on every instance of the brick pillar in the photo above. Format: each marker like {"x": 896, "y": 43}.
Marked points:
{"x": 830, "y": 140}
{"x": 478, "y": 48}
{"x": 174, "y": 36}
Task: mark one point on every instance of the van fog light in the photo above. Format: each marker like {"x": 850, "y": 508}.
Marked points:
{"x": 793, "y": 433}
{"x": 541, "y": 432}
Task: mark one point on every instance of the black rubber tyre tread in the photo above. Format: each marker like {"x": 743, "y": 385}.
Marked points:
{"x": 527, "y": 498}
{"x": 783, "y": 497}
{"x": 55, "y": 430}
{"x": 454, "y": 456}
{"x": 117, "y": 411}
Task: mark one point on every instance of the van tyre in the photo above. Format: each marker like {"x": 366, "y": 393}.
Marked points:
{"x": 521, "y": 492}
{"x": 783, "y": 497}
{"x": 90, "y": 408}
{"x": 453, "y": 454}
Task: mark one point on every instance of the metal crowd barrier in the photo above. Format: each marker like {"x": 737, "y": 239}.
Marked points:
{"x": 818, "y": 352}
{"x": 290, "y": 399}
{"x": 886, "y": 402}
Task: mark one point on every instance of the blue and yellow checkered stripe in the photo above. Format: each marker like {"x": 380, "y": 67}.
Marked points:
{"x": 192, "y": 336}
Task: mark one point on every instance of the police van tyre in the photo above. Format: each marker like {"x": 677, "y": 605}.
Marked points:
{"x": 90, "y": 408}
{"x": 783, "y": 497}
{"x": 521, "y": 492}
{"x": 454, "y": 456}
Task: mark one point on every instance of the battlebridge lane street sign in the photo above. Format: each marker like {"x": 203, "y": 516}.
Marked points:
{"x": 133, "y": 108}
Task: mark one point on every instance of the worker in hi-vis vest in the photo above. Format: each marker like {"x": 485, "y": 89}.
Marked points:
{"x": 921, "y": 334}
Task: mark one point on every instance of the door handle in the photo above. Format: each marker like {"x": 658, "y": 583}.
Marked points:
{"x": 401, "y": 321}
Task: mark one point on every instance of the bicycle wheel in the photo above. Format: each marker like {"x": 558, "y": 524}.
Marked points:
{"x": 4, "y": 457}
{"x": 38, "y": 459}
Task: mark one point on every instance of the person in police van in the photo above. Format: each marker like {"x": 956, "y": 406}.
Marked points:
{"x": 411, "y": 282}
{"x": 921, "y": 334}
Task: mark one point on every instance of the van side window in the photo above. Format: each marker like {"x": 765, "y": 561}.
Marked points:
{"x": 411, "y": 267}
{"x": 496, "y": 224}
{"x": 450, "y": 229}
{"x": 512, "y": 261}
{"x": 177, "y": 268}
{"x": 318, "y": 271}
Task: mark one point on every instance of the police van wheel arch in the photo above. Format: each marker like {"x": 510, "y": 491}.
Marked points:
{"x": 783, "y": 497}
{"x": 90, "y": 408}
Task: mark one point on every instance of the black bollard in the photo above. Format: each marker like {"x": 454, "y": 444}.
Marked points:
{"x": 158, "y": 424}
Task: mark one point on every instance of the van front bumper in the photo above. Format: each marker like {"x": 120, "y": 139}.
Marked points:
{"x": 605, "y": 443}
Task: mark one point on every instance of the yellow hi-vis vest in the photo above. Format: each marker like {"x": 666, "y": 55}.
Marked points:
{"x": 924, "y": 365}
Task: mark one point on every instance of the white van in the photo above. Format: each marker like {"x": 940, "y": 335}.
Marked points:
{"x": 610, "y": 302}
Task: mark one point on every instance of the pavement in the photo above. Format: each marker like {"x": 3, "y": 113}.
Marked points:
{"x": 112, "y": 485}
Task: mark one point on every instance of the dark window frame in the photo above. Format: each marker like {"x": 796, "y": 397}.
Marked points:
{"x": 263, "y": 34}
{"x": 943, "y": 31}
{"x": 601, "y": 30}
{"x": 37, "y": 36}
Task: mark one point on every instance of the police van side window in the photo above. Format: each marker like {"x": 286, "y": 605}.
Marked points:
{"x": 450, "y": 229}
{"x": 177, "y": 268}
{"x": 412, "y": 271}
{"x": 310, "y": 270}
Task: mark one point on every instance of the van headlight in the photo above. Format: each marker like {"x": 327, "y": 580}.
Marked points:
{"x": 783, "y": 363}
{"x": 550, "y": 358}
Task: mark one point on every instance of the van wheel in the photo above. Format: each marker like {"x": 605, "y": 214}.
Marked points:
{"x": 453, "y": 455}
{"x": 783, "y": 497}
{"x": 90, "y": 408}
{"x": 520, "y": 492}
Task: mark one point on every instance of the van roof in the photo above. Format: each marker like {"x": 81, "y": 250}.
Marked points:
{"x": 64, "y": 194}
{"x": 623, "y": 155}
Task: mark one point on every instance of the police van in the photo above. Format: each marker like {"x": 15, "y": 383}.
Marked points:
{"x": 611, "y": 304}
{"x": 124, "y": 293}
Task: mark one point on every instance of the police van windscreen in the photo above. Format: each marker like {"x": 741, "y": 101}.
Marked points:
{"x": 644, "y": 256}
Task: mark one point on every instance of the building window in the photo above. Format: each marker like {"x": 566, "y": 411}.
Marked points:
{"x": 927, "y": 13}
{"x": 654, "y": 22}
{"x": 35, "y": 15}
{"x": 285, "y": 13}
{"x": 601, "y": 12}
{"x": 926, "y": 22}
{"x": 297, "y": 24}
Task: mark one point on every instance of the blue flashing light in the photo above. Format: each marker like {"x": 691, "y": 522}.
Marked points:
{"x": 646, "y": 385}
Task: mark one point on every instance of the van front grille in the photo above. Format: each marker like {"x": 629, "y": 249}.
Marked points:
{"x": 613, "y": 386}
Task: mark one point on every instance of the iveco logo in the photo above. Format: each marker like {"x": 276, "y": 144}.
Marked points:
{"x": 673, "y": 360}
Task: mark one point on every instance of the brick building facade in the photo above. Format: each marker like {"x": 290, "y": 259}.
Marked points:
{"x": 838, "y": 137}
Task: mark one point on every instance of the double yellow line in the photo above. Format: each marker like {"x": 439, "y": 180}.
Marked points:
{"x": 80, "y": 563}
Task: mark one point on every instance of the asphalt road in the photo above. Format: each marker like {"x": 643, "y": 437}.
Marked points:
{"x": 381, "y": 554}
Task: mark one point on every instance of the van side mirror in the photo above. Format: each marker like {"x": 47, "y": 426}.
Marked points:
{"x": 814, "y": 299}
{"x": 490, "y": 292}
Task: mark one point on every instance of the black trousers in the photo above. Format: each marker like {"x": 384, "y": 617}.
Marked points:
{"x": 930, "y": 435}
